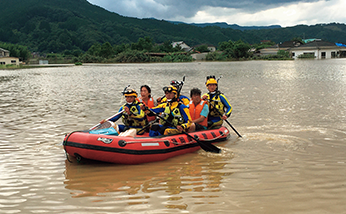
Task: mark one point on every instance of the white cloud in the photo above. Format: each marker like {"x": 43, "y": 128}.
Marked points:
{"x": 245, "y": 13}
{"x": 290, "y": 15}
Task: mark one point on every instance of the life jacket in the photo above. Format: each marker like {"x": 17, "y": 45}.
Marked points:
{"x": 195, "y": 112}
{"x": 216, "y": 103}
{"x": 174, "y": 116}
{"x": 133, "y": 122}
{"x": 150, "y": 104}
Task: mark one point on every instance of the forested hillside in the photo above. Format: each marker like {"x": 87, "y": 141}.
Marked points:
{"x": 58, "y": 25}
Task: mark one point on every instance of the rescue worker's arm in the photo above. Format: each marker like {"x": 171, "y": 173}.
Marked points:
{"x": 205, "y": 96}
{"x": 227, "y": 105}
{"x": 114, "y": 119}
{"x": 185, "y": 113}
{"x": 157, "y": 109}
{"x": 185, "y": 100}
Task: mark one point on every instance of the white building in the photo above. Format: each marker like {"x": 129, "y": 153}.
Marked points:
{"x": 319, "y": 49}
{"x": 5, "y": 58}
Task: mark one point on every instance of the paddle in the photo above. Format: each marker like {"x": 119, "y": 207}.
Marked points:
{"x": 225, "y": 120}
{"x": 208, "y": 147}
{"x": 146, "y": 126}
{"x": 120, "y": 112}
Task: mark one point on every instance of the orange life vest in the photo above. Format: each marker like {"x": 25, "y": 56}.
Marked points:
{"x": 195, "y": 112}
{"x": 150, "y": 104}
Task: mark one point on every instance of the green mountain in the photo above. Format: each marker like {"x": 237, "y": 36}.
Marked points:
{"x": 233, "y": 26}
{"x": 58, "y": 25}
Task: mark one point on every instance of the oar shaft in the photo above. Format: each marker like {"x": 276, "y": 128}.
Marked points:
{"x": 226, "y": 120}
{"x": 120, "y": 112}
{"x": 233, "y": 128}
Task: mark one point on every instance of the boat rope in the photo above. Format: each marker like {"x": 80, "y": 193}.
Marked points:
{"x": 65, "y": 142}
{"x": 212, "y": 139}
{"x": 176, "y": 143}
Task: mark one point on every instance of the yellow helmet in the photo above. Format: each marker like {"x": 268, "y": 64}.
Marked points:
{"x": 211, "y": 81}
{"x": 170, "y": 88}
{"x": 130, "y": 93}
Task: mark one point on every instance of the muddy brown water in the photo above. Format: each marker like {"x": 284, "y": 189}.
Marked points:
{"x": 291, "y": 159}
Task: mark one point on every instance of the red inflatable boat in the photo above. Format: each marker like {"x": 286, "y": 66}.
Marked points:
{"x": 138, "y": 149}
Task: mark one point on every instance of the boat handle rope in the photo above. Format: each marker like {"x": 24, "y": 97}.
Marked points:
{"x": 65, "y": 142}
{"x": 212, "y": 138}
{"x": 176, "y": 143}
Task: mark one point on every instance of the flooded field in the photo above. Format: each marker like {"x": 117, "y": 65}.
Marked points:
{"x": 291, "y": 159}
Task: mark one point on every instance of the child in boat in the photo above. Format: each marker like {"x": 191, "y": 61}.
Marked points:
{"x": 133, "y": 116}
{"x": 219, "y": 107}
{"x": 175, "y": 115}
{"x": 199, "y": 111}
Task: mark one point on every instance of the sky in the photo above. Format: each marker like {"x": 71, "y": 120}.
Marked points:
{"x": 241, "y": 12}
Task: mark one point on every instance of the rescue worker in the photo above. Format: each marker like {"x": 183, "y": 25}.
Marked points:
{"x": 147, "y": 100}
{"x": 219, "y": 107}
{"x": 199, "y": 111}
{"x": 184, "y": 99}
{"x": 133, "y": 116}
{"x": 173, "y": 111}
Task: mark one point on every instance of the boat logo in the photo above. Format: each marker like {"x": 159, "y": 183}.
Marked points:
{"x": 105, "y": 140}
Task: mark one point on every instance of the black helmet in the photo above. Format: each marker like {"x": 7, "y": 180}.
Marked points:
{"x": 174, "y": 83}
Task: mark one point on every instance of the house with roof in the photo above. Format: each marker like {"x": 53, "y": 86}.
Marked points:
{"x": 182, "y": 45}
{"x": 4, "y": 53}
{"x": 5, "y": 58}
{"x": 318, "y": 49}
{"x": 273, "y": 50}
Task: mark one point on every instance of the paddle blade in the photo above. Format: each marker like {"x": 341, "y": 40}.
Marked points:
{"x": 208, "y": 147}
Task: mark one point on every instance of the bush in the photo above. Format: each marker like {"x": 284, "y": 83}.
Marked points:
{"x": 132, "y": 56}
{"x": 215, "y": 56}
{"x": 87, "y": 58}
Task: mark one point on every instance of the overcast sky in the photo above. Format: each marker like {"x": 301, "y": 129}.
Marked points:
{"x": 240, "y": 12}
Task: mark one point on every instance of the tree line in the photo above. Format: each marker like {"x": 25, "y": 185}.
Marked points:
{"x": 145, "y": 50}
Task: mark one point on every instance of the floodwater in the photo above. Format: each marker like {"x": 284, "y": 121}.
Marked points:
{"x": 291, "y": 159}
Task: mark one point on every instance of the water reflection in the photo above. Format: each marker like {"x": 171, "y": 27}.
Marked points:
{"x": 138, "y": 184}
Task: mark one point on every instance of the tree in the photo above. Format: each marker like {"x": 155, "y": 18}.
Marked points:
{"x": 202, "y": 48}
{"x": 298, "y": 39}
{"x": 143, "y": 44}
{"x": 95, "y": 49}
{"x": 241, "y": 50}
{"x": 121, "y": 48}
{"x": 283, "y": 54}
{"x": 236, "y": 50}
{"x": 166, "y": 47}
{"x": 106, "y": 50}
